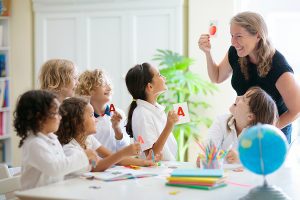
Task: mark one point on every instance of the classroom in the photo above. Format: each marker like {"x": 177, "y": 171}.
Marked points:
{"x": 161, "y": 99}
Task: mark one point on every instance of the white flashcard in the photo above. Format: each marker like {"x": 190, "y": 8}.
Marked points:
{"x": 183, "y": 112}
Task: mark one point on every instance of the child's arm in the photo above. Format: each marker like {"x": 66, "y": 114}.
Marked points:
{"x": 110, "y": 159}
{"x": 43, "y": 159}
{"x": 115, "y": 122}
{"x": 160, "y": 142}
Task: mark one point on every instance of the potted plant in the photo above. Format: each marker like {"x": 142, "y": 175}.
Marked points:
{"x": 184, "y": 86}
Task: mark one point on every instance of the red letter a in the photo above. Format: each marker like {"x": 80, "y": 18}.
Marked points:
{"x": 180, "y": 111}
{"x": 112, "y": 108}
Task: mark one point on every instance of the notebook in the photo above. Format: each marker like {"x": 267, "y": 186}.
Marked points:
{"x": 197, "y": 172}
{"x": 201, "y": 187}
{"x": 118, "y": 175}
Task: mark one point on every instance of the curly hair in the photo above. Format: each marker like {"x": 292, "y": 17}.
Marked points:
{"x": 56, "y": 73}
{"x": 264, "y": 51}
{"x": 88, "y": 80}
{"x": 32, "y": 111}
{"x": 72, "y": 120}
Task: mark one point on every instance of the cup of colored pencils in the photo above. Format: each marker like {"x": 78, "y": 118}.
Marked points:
{"x": 211, "y": 156}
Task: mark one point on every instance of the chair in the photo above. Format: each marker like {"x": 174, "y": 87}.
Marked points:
{"x": 8, "y": 183}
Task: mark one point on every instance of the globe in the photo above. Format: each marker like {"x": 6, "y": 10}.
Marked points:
{"x": 262, "y": 149}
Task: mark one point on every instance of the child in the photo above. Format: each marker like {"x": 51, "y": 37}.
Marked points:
{"x": 59, "y": 76}
{"x": 146, "y": 118}
{"x": 75, "y": 132}
{"x": 43, "y": 160}
{"x": 255, "y": 106}
{"x": 111, "y": 131}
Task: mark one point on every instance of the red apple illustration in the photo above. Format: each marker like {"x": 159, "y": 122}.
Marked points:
{"x": 212, "y": 29}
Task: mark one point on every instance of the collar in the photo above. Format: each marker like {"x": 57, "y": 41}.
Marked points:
{"x": 150, "y": 106}
{"x": 51, "y": 137}
{"x": 231, "y": 123}
{"x": 106, "y": 112}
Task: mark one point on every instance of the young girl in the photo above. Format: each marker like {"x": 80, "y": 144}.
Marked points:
{"x": 111, "y": 131}
{"x": 43, "y": 160}
{"x": 75, "y": 133}
{"x": 146, "y": 118}
{"x": 59, "y": 76}
{"x": 255, "y": 106}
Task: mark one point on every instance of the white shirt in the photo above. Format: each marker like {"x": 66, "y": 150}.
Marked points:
{"x": 44, "y": 161}
{"x": 74, "y": 147}
{"x": 149, "y": 121}
{"x": 219, "y": 134}
{"x": 106, "y": 135}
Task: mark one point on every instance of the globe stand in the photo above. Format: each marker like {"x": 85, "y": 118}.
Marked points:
{"x": 265, "y": 192}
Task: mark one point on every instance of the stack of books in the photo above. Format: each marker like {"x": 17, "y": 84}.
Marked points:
{"x": 205, "y": 179}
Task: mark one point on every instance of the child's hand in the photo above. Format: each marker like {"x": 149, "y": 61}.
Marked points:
{"x": 172, "y": 118}
{"x": 132, "y": 150}
{"x": 232, "y": 157}
{"x": 92, "y": 156}
{"x": 157, "y": 157}
{"x": 116, "y": 119}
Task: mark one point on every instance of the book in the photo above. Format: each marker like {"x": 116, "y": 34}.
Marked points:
{"x": 204, "y": 180}
{"x": 201, "y": 187}
{"x": 2, "y": 65}
{"x": 5, "y": 7}
{"x": 197, "y": 173}
{"x": 118, "y": 175}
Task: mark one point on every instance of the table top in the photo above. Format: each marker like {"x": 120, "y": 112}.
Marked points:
{"x": 154, "y": 188}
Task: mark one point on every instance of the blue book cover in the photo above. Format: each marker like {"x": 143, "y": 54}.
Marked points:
{"x": 198, "y": 172}
{"x": 2, "y": 65}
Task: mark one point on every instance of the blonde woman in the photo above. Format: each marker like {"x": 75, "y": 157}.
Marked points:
{"x": 253, "y": 61}
{"x": 60, "y": 77}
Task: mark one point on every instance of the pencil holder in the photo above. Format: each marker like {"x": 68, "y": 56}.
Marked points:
{"x": 211, "y": 164}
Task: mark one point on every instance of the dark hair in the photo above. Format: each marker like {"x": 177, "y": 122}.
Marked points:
{"x": 32, "y": 111}
{"x": 137, "y": 79}
{"x": 72, "y": 120}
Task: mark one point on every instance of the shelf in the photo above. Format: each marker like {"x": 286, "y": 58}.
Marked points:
{"x": 4, "y": 137}
{"x": 4, "y": 48}
{"x": 4, "y": 109}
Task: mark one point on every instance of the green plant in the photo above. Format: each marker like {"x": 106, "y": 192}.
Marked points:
{"x": 184, "y": 86}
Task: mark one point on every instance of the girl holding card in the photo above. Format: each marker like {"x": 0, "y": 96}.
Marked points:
{"x": 110, "y": 124}
{"x": 253, "y": 61}
{"x": 146, "y": 118}
{"x": 255, "y": 106}
{"x": 76, "y": 130}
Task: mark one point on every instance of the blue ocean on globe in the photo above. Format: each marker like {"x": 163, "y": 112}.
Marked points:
{"x": 262, "y": 148}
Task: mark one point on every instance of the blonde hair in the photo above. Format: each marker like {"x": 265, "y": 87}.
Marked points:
{"x": 55, "y": 74}
{"x": 88, "y": 80}
{"x": 255, "y": 24}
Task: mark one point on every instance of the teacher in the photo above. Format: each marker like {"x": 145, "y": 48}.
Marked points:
{"x": 253, "y": 61}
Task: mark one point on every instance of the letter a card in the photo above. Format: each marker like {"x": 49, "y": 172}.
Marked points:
{"x": 183, "y": 112}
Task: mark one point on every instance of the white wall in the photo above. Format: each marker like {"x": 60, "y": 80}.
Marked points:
{"x": 200, "y": 14}
{"x": 21, "y": 69}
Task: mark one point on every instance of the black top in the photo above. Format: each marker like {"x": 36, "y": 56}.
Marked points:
{"x": 240, "y": 85}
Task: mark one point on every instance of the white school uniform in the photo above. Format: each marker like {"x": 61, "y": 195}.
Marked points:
{"x": 74, "y": 147}
{"x": 44, "y": 161}
{"x": 106, "y": 135}
{"x": 219, "y": 134}
{"x": 149, "y": 121}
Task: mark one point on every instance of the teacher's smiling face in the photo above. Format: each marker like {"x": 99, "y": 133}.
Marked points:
{"x": 244, "y": 42}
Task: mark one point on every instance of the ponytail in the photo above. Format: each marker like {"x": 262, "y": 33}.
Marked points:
{"x": 128, "y": 126}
